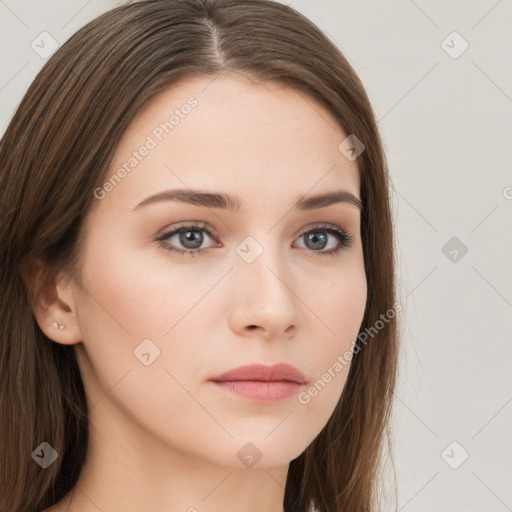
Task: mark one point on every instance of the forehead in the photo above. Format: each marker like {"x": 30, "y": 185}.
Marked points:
{"x": 228, "y": 133}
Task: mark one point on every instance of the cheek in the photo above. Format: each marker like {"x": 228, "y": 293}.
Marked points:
{"x": 140, "y": 296}
{"x": 337, "y": 311}
{"x": 131, "y": 308}
{"x": 338, "y": 306}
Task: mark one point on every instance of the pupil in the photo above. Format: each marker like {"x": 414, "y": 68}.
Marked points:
{"x": 315, "y": 238}
{"x": 189, "y": 236}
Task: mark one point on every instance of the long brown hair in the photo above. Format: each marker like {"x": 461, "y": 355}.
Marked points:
{"x": 56, "y": 151}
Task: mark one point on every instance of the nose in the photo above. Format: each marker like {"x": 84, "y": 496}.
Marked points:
{"x": 263, "y": 300}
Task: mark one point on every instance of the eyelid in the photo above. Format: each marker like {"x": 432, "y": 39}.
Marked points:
{"x": 198, "y": 225}
{"x": 319, "y": 225}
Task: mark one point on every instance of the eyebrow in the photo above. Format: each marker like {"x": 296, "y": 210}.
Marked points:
{"x": 233, "y": 203}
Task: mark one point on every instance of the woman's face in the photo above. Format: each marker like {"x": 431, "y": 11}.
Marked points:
{"x": 252, "y": 287}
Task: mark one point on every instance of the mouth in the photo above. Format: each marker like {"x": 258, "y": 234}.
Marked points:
{"x": 261, "y": 383}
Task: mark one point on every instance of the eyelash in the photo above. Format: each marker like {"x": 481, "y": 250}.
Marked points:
{"x": 344, "y": 238}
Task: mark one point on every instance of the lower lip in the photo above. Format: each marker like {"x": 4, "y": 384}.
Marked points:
{"x": 259, "y": 391}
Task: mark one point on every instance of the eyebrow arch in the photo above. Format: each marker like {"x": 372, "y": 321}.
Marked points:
{"x": 233, "y": 203}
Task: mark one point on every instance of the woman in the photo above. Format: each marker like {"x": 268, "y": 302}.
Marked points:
{"x": 198, "y": 304}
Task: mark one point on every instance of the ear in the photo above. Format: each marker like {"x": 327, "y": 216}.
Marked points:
{"x": 53, "y": 301}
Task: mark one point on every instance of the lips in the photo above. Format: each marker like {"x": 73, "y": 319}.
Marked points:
{"x": 261, "y": 384}
{"x": 262, "y": 373}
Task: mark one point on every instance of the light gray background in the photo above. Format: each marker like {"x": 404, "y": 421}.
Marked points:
{"x": 446, "y": 125}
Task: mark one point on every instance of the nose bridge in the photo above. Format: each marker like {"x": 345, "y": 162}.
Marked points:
{"x": 265, "y": 297}
{"x": 262, "y": 262}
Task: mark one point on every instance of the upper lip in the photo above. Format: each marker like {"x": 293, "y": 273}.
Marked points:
{"x": 263, "y": 373}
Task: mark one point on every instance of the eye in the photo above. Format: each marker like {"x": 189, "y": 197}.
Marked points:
{"x": 191, "y": 238}
{"x": 316, "y": 237}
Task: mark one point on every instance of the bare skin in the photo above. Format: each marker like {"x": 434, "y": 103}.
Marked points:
{"x": 162, "y": 436}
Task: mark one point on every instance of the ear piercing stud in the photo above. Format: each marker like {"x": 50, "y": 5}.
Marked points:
{"x": 58, "y": 326}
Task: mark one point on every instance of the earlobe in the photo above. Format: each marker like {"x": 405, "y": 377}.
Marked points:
{"x": 52, "y": 303}
{"x": 65, "y": 332}
{"x": 57, "y": 325}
